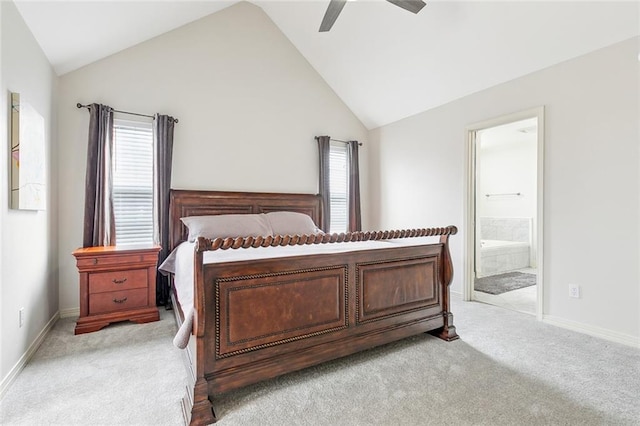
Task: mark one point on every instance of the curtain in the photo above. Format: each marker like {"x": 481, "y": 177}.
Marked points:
{"x": 324, "y": 148}
{"x": 353, "y": 203}
{"x": 99, "y": 223}
{"x": 163, "y": 149}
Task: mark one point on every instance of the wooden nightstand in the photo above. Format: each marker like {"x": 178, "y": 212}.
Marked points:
{"x": 116, "y": 284}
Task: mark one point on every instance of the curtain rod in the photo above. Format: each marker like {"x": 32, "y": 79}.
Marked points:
{"x": 338, "y": 140}
{"x": 79, "y": 105}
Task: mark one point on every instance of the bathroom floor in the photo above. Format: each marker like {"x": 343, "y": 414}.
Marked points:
{"x": 521, "y": 300}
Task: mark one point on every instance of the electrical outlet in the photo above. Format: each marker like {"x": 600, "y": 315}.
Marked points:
{"x": 574, "y": 291}
{"x": 21, "y": 317}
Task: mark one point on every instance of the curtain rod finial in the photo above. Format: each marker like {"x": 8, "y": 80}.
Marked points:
{"x": 79, "y": 105}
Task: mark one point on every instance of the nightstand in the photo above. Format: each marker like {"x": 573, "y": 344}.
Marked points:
{"x": 116, "y": 284}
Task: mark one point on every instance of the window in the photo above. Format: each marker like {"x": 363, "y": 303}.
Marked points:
{"x": 133, "y": 182}
{"x": 339, "y": 188}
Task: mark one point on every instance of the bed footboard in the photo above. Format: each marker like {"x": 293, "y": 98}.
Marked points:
{"x": 257, "y": 320}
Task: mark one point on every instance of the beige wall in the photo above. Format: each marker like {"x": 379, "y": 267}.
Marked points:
{"x": 591, "y": 181}
{"x": 28, "y": 249}
{"x": 248, "y": 103}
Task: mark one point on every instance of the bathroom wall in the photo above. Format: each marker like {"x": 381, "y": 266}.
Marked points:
{"x": 508, "y": 165}
{"x": 506, "y": 179}
{"x": 506, "y": 229}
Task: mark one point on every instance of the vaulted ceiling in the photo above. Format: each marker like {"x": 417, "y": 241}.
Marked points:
{"x": 382, "y": 61}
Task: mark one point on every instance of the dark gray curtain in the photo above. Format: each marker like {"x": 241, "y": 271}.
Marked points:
{"x": 99, "y": 223}
{"x": 323, "y": 149}
{"x": 163, "y": 154}
{"x": 355, "y": 220}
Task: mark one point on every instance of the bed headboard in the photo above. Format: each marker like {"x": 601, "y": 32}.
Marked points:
{"x": 185, "y": 203}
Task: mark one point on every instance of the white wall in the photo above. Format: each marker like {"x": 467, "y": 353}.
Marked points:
{"x": 249, "y": 107}
{"x": 591, "y": 181}
{"x": 506, "y": 167}
{"x": 29, "y": 276}
{"x": 507, "y": 164}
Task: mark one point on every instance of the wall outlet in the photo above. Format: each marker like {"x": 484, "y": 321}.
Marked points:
{"x": 574, "y": 291}
{"x": 21, "y": 317}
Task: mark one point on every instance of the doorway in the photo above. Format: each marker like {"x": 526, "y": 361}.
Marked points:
{"x": 504, "y": 212}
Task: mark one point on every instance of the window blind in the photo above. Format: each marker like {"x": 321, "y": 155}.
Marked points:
{"x": 338, "y": 190}
{"x": 133, "y": 182}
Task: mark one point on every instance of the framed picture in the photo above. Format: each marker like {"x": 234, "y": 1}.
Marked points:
{"x": 28, "y": 166}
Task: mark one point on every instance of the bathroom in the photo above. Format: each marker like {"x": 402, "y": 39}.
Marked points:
{"x": 506, "y": 207}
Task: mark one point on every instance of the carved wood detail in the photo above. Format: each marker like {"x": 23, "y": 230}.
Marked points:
{"x": 205, "y": 244}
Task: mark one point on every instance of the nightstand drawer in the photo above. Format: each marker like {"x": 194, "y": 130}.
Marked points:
{"x": 101, "y": 303}
{"x": 117, "y": 280}
{"x": 93, "y": 262}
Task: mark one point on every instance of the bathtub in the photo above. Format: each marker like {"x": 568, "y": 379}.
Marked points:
{"x": 497, "y": 256}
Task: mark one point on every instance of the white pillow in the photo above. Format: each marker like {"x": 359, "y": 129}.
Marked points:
{"x": 227, "y": 225}
{"x": 292, "y": 223}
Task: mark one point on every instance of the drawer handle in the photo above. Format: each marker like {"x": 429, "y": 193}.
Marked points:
{"x": 95, "y": 261}
{"x": 120, "y": 300}
{"x": 122, "y": 281}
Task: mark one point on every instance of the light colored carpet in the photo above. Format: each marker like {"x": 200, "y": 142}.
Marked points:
{"x": 125, "y": 374}
{"x": 507, "y": 369}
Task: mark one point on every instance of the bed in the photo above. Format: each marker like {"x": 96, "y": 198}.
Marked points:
{"x": 254, "y": 319}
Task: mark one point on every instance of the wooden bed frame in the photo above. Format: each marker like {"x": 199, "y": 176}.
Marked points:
{"x": 255, "y": 320}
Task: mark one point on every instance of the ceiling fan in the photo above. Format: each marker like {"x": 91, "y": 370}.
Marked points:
{"x": 335, "y": 7}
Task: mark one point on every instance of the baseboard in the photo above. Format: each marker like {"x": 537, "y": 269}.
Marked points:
{"x": 70, "y": 313}
{"x": 599, "y": 332}
{"x": 13, "y": 373}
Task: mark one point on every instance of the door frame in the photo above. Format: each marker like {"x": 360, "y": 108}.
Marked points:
{"x": 470, "y": 201}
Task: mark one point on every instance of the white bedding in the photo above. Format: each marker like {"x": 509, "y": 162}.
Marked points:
{"x": 180, "y": 263}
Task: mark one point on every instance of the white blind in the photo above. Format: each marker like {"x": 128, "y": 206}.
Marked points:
{"x": 133, "y": 182}
{"x": 338, "y": 190}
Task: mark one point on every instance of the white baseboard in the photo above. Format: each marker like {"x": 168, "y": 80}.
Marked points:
{"x": 599, "y": 332}
{"x": 70, "y": 313}
{"x": 24, "y": 359}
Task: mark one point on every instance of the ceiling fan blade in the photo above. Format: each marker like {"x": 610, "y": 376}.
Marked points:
{"x": 414, "y": 6}
{"x": 330, "y": 16}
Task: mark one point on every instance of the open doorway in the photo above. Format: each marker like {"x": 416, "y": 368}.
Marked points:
{"x": 504, "y": 212}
